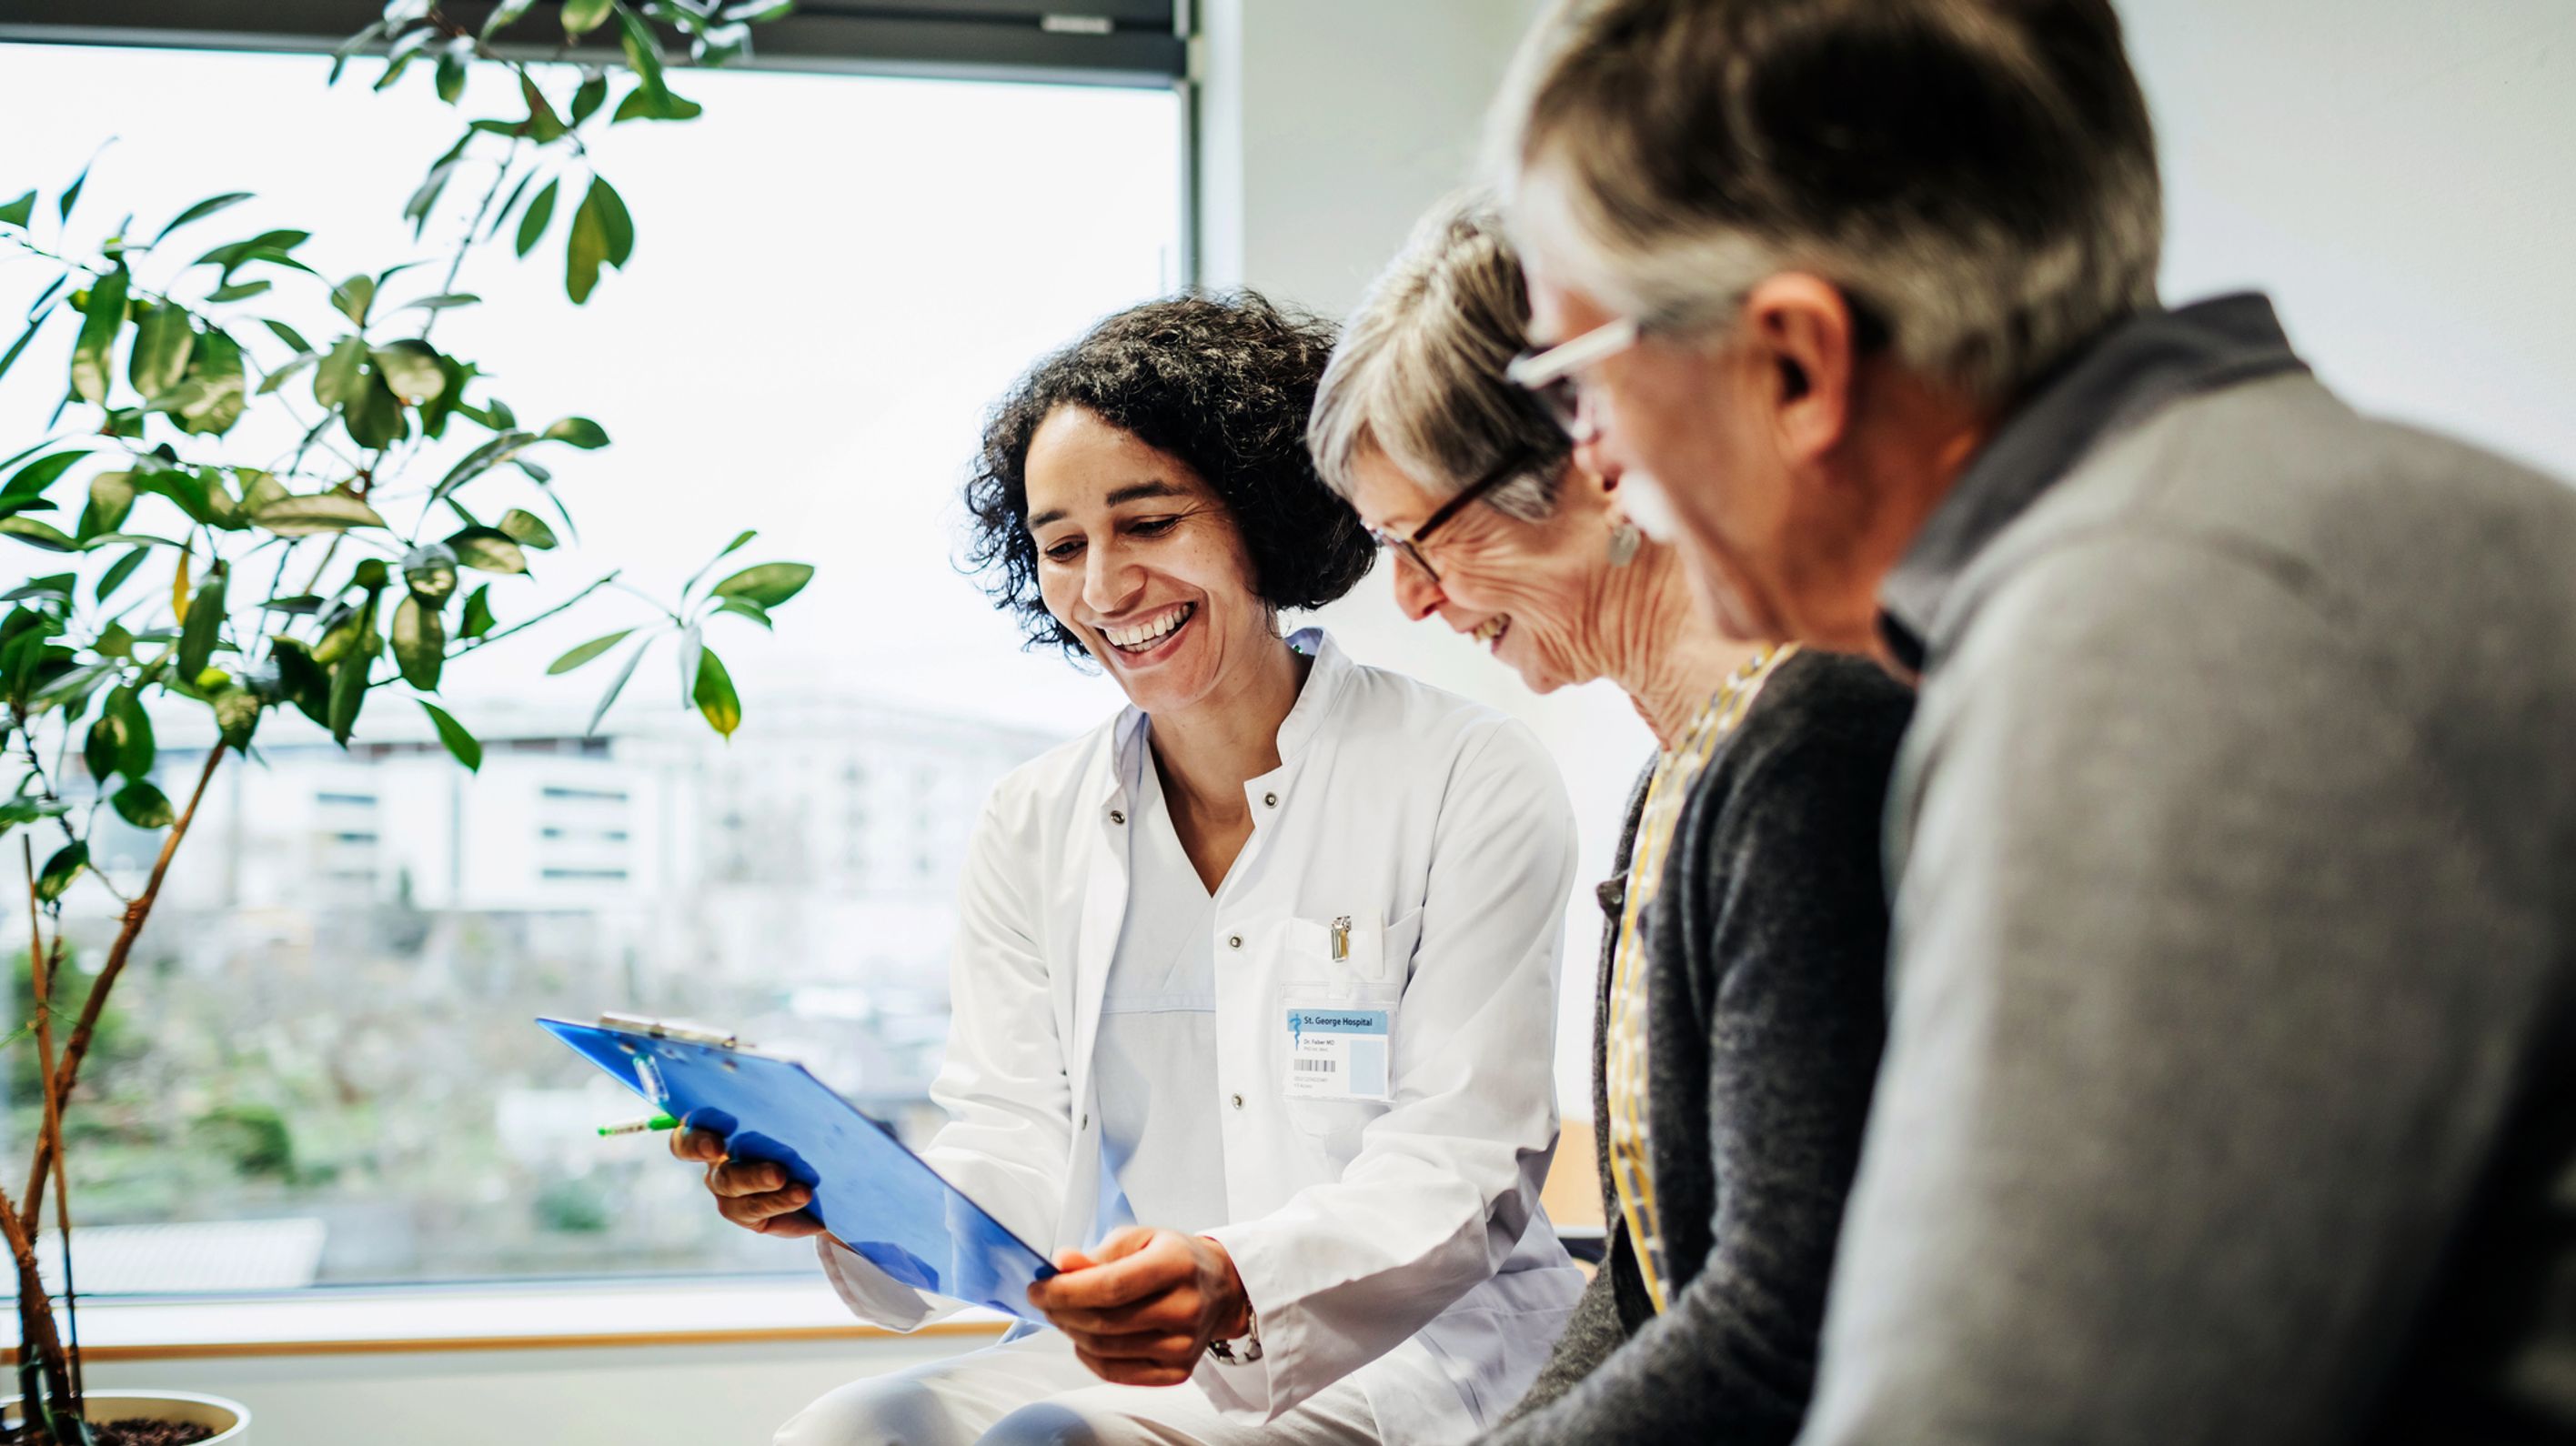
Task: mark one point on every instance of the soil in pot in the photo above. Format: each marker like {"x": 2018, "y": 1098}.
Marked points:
{"x": 135, "y": 1431}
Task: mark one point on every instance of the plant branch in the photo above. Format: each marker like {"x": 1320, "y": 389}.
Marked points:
{"x": 526, "y": 623}
{"x": 67, "y": 1073}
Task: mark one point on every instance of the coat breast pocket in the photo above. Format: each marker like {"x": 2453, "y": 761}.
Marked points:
{"x": 1339, "y": 1008}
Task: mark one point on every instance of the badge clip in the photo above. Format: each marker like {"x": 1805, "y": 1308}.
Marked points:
{"x": 1342, "y": 939}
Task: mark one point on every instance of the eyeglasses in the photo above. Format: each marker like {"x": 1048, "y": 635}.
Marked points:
{"x": 1550, "y": 374}
{"x": 1410, "y": 547}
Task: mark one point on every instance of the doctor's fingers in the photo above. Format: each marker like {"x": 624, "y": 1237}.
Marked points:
{"x": 1131, "y": 1373}
{"x": 706, "y": 1147}
{"x": 1175, "y": 1310}
{"x": 747, "y": 1177}
{"x": 765, "y": 1212}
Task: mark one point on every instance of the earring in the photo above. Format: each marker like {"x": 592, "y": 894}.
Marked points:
{"x": 1625, "y": 539}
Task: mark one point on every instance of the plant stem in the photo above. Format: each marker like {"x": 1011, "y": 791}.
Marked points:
{"x": 36, "y": 1334}
{"x": 59, "y": 1083}
{"x": 40, "y": 977}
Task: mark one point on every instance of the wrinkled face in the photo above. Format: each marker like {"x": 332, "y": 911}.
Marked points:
{"x": 1528, "y": 591}
{"x": 1695, "y": 418}
{"x": 1138, "y": 557}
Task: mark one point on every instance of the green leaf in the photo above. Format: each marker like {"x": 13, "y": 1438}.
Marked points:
{"x": 238, "y": 291}
{"x": 40, "y": 474}
{"x": 37, "y": 534}
{"x": 721, "y": 45}
{"x": 351, "y": 46}
{"x": 374, "y": 416}
{"x": 197, "y": 212}
{"x": 348, "y": 693}
{"x": 716, "y": 697}
{"x": 410, "y": 369}
{"x": 444, "y": 301}
{"x": 18, "y": 212}
{"x": 693, "y": 650}
{"x": 543, "y": 124}
{"x": 587, "y": 651}
{"x": 237, "y": 715}
{"x": 341, "y": 373}
{"x": 18, "y": 348}
{"x": 111, "y": 497}
{"x": 580, "y": 17}
{"x": 289, "y": 335}
{"x": 323, "y": 512}
{"x": 71, "y": 194}
{"x": 505, "y": 14}
{"x": 57, "y": 585}
{"x": 101, "y": 748}
{"x": 269, "y": 246}
{"x": 430, "y": 572}
{"x": 616, "y": 686}
{"x": 579, "y": 432}
{"x": 755, "y": 12}
{"x": 479, "y": 461}
{"x": 219, "y": 386}
{"x": 144, "y": 806}
{"x": 452, "y": 733}
{"x": 586, "y": 99}
{"x": 643, "y": 49}
{"x": 488, "y": 549}
{"x": 354, "y": 296}
{"x": 163, "y": 337}
{"x": 533, "y": 224}
{"x": 301, "y": 680}
{"x": 286, "y": 373}
{"x": 745, "y": 607}
{"x": 136, "y": 747}
{"x": 655, "y": 103}
{"x": 420, "y": 644}
{"x": 371, "y": 574}
{"x": 99, "y": 326}
{"x": 768, "y": 584}
{"x": 404, "y": 52}
{"x": 119, "y": 571}
{"x": 424, "y": 197}
{"x": 205, "y": 622}
{"x": 478, "y": 613}
{"x": 527, "y": 529}
{"x": 61, "y": 870}
{"x": 451, "y": 69}
{"x": 584, "y": 249}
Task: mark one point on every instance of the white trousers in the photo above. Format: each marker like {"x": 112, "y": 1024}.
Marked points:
{"x": 1034, "y": 1392}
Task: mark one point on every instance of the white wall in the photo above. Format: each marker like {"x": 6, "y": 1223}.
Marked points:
{"x": 2401, "y": 176}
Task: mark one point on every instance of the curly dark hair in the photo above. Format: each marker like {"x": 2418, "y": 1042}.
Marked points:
{"x": 1224, "y": 383}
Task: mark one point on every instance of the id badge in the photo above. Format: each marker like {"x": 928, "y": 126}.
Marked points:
{"x": 1337, "y": 1053}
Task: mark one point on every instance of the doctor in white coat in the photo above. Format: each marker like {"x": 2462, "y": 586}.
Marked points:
{"x": 1255, "y": 987}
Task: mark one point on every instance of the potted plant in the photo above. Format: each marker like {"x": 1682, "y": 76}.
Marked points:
{"x": 184, "y": 559}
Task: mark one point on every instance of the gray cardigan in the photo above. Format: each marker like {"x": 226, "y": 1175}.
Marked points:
{"x": 1765, "y": 952}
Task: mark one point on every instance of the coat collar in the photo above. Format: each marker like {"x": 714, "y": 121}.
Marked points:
{"x": 1114, "y": 761}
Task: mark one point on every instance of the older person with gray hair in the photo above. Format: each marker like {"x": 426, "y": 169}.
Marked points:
{"x": 2227, "y": 1091}
{"x": 1740, "y": 1008}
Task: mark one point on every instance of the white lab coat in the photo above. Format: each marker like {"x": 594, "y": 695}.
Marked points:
{"x": 1402, "y": 1239}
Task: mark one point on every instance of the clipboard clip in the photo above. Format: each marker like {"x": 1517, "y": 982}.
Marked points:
{"x": 680, "y": 1030}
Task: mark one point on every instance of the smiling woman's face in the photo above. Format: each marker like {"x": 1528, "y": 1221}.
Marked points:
{"x": 1530, "y": 592}
{"x": 1139, "y": 559}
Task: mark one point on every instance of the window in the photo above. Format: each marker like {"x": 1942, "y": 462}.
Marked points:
{"x": 327, "y": 1034}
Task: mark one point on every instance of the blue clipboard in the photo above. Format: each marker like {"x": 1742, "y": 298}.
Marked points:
{"x": 879, "y": 1199}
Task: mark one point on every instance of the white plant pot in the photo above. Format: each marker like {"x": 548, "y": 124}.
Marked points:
{"x": 231, "y": 1419}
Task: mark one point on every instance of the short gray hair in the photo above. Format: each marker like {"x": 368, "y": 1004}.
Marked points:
{"x": 1979, "y": 174}
{"x": 1418, "y": 376}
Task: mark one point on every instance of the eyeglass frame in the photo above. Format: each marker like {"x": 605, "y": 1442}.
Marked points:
{"x": 1548, "y": 373}
{"x": 1409, "y": 545}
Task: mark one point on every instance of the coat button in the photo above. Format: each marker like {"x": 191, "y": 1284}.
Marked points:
{"x": 1086, "y": 1122}
{"x": 1234, "y": 941}
{"x": 1116, "y": 816}
{"x": 1269, "y": 800}
{"x": 1238, "y": 1102}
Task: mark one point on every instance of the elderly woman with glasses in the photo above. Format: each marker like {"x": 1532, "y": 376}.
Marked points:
{"x": 1741, "y": 1006}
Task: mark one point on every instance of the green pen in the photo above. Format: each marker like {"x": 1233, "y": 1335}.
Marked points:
{"x": 641, "y": 1127}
